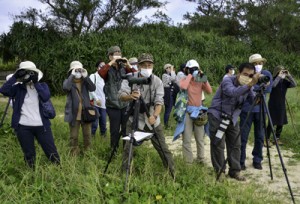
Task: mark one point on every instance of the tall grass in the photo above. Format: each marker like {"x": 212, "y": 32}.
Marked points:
{"x": 81, "y": 179}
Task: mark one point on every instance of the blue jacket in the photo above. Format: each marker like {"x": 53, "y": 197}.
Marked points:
{"x": 17, "y": 92}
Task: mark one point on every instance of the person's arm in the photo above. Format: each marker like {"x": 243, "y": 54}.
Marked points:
{"x": 291, "y": 80}
{"x": 166, "y": 79}
{"x": 8, "y": 88}
{"x": 173, "y": 76}
{"x": 103, "y": 71}
{"x": 276, "y": 81}
{"x": 231, "y": 90}
{"x": 125, "y": 93}
{"x": 43, "y": 91}
{"x": 206, "y": 88}
{"x": 184, "y": 83}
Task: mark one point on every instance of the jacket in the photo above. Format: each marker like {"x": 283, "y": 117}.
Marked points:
{"x": 72, "y": 103}
{"x": 18, "y": 92}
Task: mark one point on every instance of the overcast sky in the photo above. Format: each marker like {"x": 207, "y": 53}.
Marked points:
{"x": 175, "y": 10}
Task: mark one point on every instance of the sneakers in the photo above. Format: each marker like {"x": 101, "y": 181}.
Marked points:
{"x": 257, "y": 165}
{"x": 269, "y": 143}
{"x": 237, "y": 176}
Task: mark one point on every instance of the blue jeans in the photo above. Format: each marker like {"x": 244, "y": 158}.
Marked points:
{"x": 168, "y": 101}
{"x": 26, "y": 135}
{"x": 101, "y": 121}
{"x": 258, "y": 136}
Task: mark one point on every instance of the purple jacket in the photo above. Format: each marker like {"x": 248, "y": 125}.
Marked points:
{"x": 229, "y": 99}
{"x": 17, "y": 92}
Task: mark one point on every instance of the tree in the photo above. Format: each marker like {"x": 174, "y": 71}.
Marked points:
{"x": 79, "y": 16}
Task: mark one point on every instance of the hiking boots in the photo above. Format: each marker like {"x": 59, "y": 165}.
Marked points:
{"x": 257, "y": 165}
{"x": 278, "y": 142}
{"x": 237, "y": 176}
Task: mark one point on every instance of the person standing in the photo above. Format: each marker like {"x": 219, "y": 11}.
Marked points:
{"x": 223, "y": 119}
{"x": 229, "y": 71}
{"x": 169, "y": 80}
{"x": 77, "y": 86}
{"x": 195, "y": 83}
{"x": 112, "y": 74}
{"x": 282, "y": 81}
{"x": 254, "y": 117}
{"x": 153, "y": 96}
{"x": 98, "y": 100}
{"x": 28, "y": 120}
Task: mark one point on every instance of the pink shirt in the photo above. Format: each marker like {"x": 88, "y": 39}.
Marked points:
{"x": 194, "y": 90}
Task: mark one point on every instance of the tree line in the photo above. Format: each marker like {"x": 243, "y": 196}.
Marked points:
{"x": 218, "y": 33}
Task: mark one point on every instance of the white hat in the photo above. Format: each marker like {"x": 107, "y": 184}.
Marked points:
{"x": 133, "y": 60}
{"x": 167, "y": 66}
{"x": 28, "y": 65}
{"x": 192, "y": 63}
{"x": 75, "y": 64}
{"x": 256, "y": 58}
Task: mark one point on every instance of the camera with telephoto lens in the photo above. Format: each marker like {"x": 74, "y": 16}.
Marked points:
{"x": 131, "y": 79}
{"x": 223, "y": 127}
{"x": 263, "y": 80}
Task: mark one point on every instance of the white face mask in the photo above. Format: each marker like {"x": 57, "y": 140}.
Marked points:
{"x": 258, "y": 68}
{"x": 244, "y": 80}
{"x": 134, "y": 67}
{"x": 77, "y": 75}
{"x": 117, "y": 57}
{"x": 146, "y": 72}
{"x": 232, "y": 72}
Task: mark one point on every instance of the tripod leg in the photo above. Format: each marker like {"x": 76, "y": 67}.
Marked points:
{"x": 278, "y": 150}
{"x": 263, "y": 117}
{"x": 5, "y": 112}
{"x": 112, "y": 154}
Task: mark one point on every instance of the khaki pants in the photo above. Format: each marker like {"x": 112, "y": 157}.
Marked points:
{"x": 74, "y": 133}
{"x": 189, "y": 128}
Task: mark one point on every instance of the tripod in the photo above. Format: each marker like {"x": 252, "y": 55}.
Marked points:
{"x": 5, "y": 112}
{"x": 134, "y": 110}
{"x": 260, "y": 98}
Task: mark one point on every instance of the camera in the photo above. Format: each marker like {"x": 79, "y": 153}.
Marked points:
{"x": 225, "y": 116}
{"x": 263, "y": 80}
{"x": 121, "y": 60}
{"x": 223, "y": 127}
{"x": 138, "y": 80}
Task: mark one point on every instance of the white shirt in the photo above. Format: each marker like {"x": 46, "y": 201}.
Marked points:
{"x": 30, "y": 111}
{"x": 98, "y": 94}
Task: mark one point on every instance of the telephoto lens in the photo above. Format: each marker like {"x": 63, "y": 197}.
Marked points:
{"x": 263, "y": 80}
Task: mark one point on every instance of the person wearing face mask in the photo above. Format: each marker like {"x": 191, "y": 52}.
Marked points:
{"x": 254, "y": 117}
{"x": 112, "y": 74}
{"x": 169, "y": 80}
{"x": 282, "y": 81}
{"x": 134, "y": 63}
{"x": 223, "y": 119}
{"x": 152, "y": 94}
{"x": 77, "y": 86}
{"x": 229, "y": 71}
{"x": 28, "y": 120}
{"x": 195, "y": 83}
{"x": 97, "y": 98}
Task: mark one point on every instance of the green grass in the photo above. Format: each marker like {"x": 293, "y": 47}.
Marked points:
{"x": 81, "y": 179}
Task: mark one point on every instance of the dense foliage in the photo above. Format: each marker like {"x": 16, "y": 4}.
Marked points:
{"x": 52, "y": 52}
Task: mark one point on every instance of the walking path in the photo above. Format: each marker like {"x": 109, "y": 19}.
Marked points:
{"x": 278, "y": 186}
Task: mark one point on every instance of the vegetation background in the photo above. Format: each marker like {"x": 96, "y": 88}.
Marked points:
{"x": 218, "y": 33}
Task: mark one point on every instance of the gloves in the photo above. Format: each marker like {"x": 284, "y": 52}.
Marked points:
{"x": 20, "y": 73}
{"x": 84, "y": 73}
{"x": 34, "y": 77}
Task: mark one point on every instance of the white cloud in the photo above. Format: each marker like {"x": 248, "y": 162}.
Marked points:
{"x": 175, "y": 9}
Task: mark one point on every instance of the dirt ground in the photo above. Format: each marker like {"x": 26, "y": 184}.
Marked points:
{"x": 278, "y": 186}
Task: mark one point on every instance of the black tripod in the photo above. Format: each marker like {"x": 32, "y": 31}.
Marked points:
{"x": 260, "y": 99}
{"x": 134, "y": 110}
{"x": 5, "y": 112}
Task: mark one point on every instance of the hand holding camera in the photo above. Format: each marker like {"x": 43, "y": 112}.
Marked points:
{"x": 254, "y": 80}
{"x": 135, "y": 94}
{"x": 20, "y": 73}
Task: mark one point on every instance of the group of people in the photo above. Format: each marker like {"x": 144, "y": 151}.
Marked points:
{"x": 109, "y": 91}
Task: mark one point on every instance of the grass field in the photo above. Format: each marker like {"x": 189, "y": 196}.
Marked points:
{"x": 81, "y": 179}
